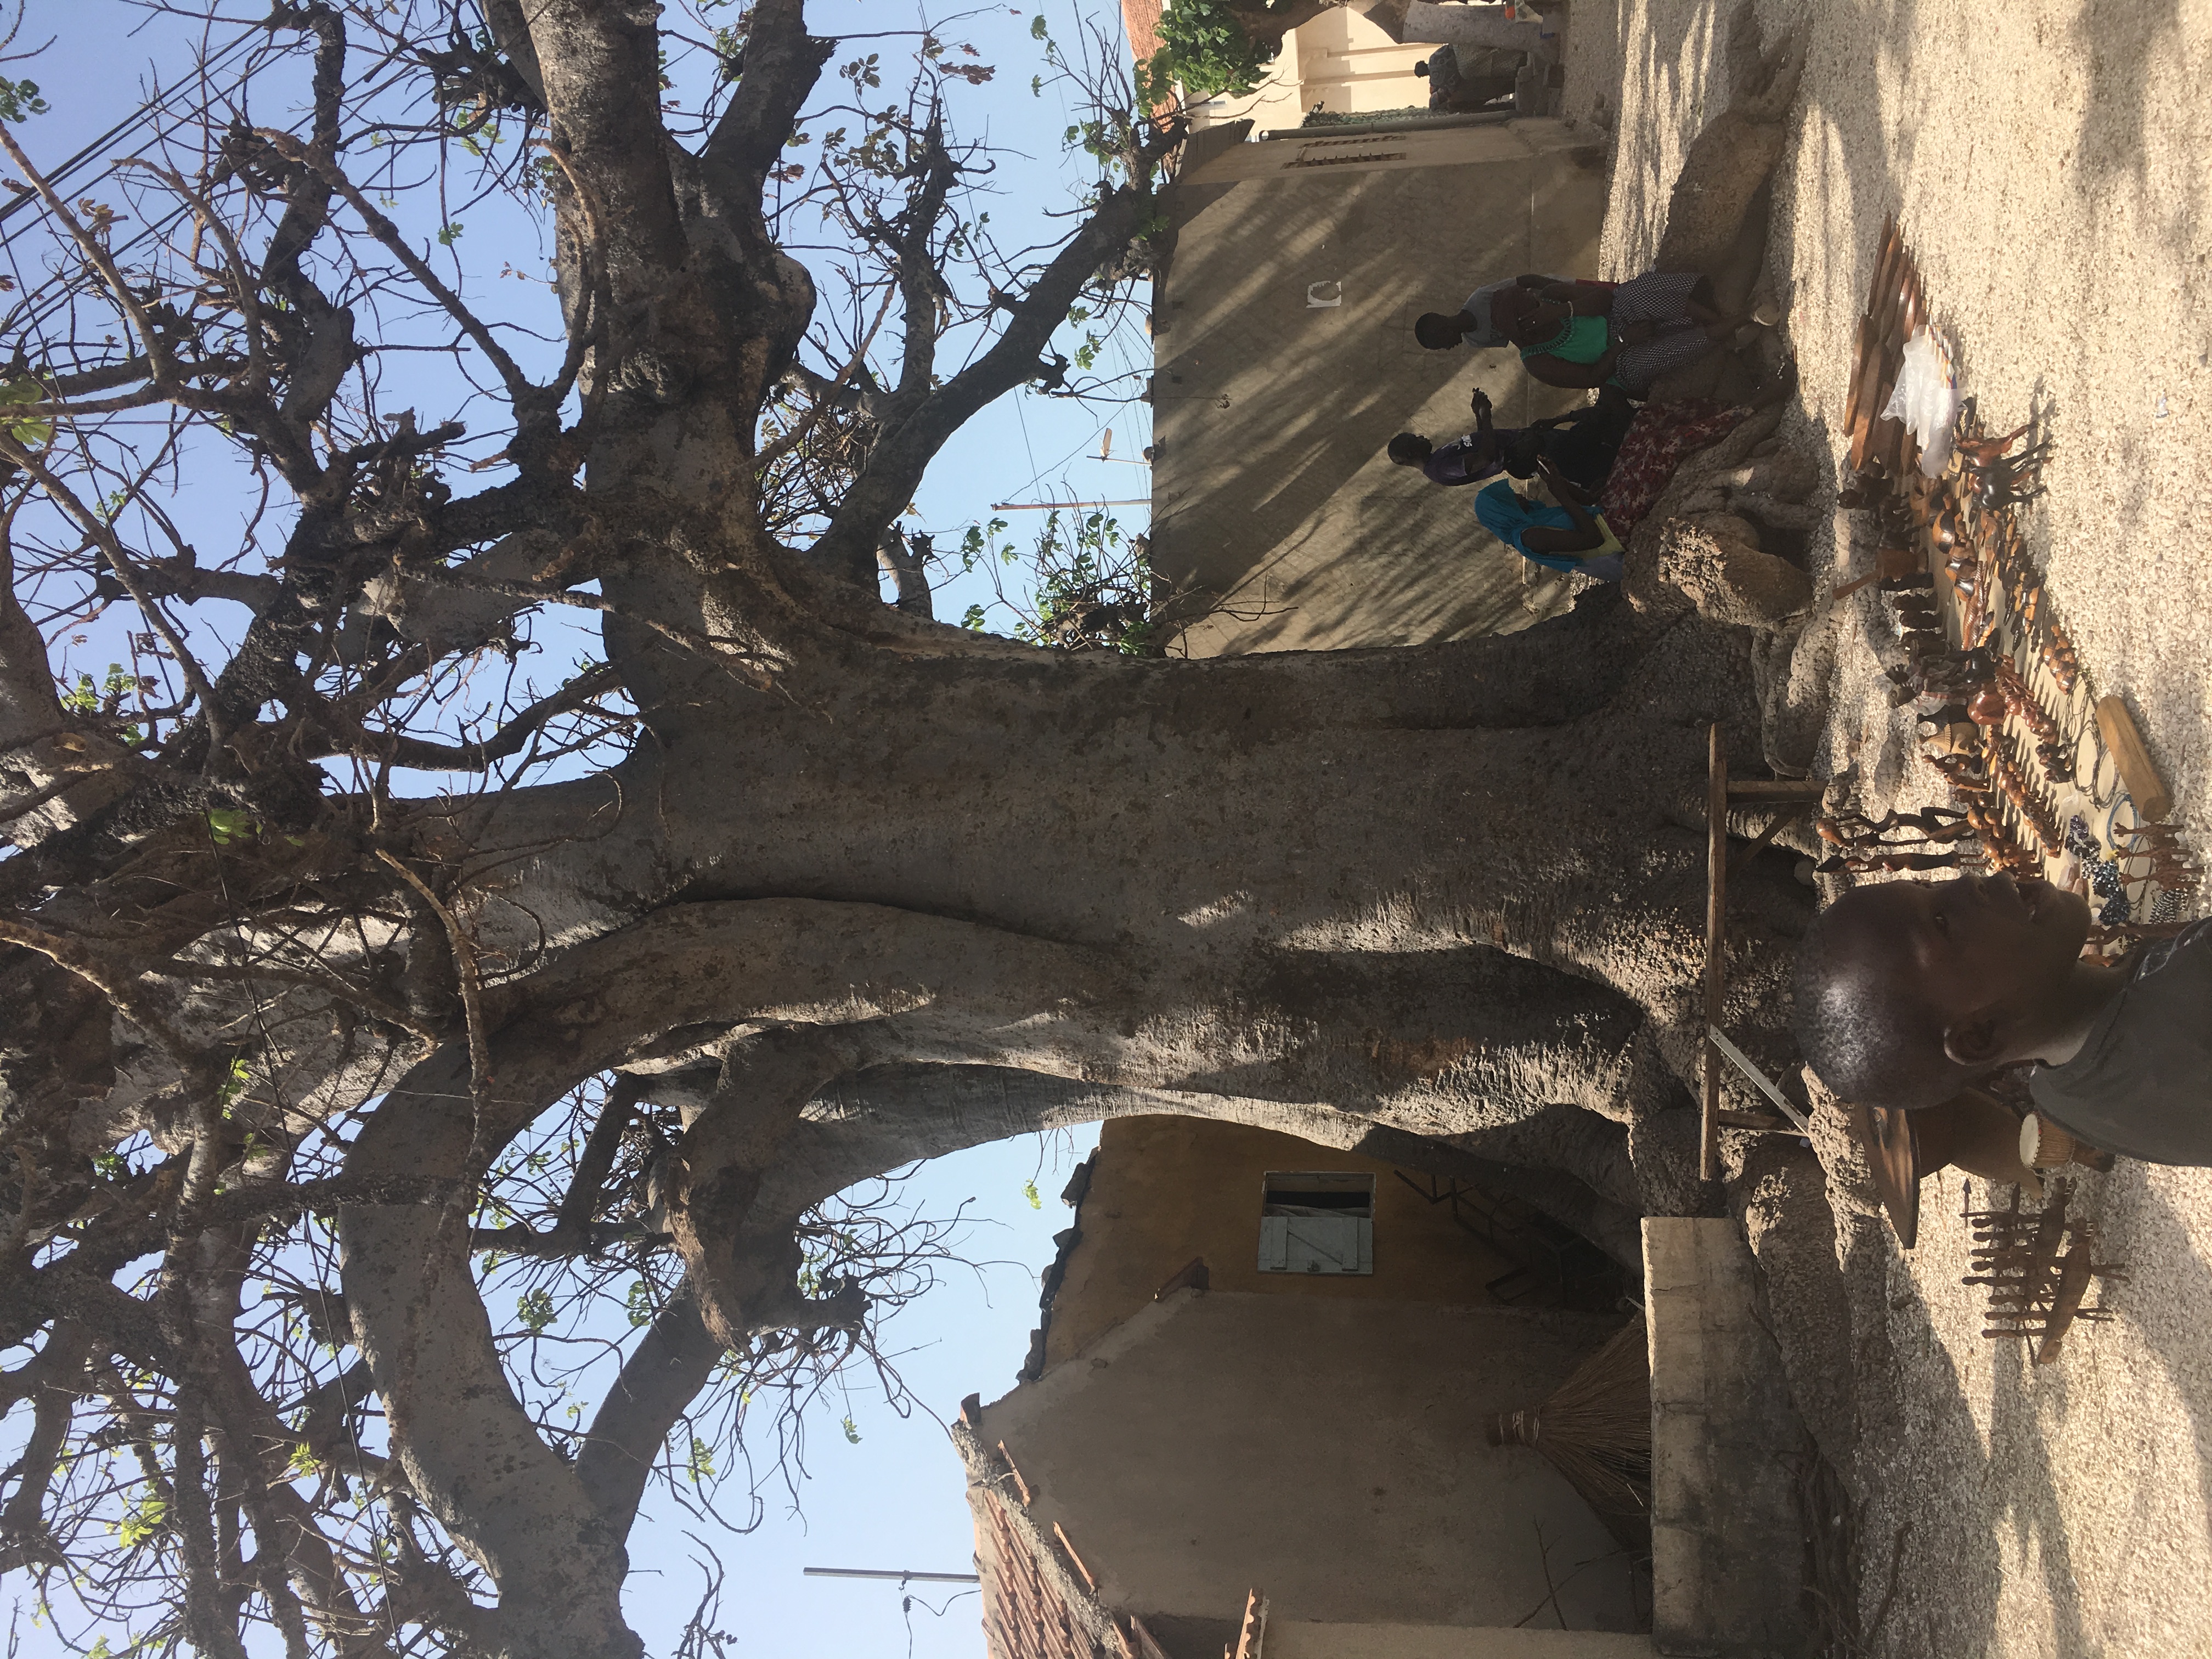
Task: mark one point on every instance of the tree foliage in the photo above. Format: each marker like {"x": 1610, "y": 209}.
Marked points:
{"x": 1206, "y": 52}
{"x": 492, "y": 881}
{"x": 436, "y": 439}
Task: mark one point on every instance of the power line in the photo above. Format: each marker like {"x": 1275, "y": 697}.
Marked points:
{"x": 59, "y": 174}
{"x": 146, "y": 116}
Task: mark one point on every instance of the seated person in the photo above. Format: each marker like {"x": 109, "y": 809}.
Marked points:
{"x": 1453, "y": 90}
{"x": 1473, "y": 323}
{"x": 1581, "y": 443}
{"x": 1568, "y": 537}
{"x": 1579, "y": 334}
{"x": 1909, "y": 991}
{"x": 1628, "y": 337}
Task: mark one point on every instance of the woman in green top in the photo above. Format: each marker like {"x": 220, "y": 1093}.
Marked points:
{"x": 1580, "y": 335}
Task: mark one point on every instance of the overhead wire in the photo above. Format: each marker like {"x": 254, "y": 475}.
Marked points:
{"x": 146, "y": 119}
{"x": 60, "y": 172}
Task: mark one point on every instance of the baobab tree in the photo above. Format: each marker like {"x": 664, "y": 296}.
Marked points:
{"x": 347, "y": 971}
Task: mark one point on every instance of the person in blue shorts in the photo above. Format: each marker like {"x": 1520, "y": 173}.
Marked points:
{"x": 1568, "y": 537}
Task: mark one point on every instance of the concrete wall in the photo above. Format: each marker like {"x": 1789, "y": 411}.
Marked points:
{"x": 1280, "y": 505}
{"x": 1340, "y": 61}
{"x": 1166, "y": 1189}
{"x": 1330, "y": 1452}
{"x": 1290, "y": 1639}
{"x": 1728, "y": 1550}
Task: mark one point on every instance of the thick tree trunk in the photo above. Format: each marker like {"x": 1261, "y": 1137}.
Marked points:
{"x": 1446, "y": 900}
{"x": 867, "y": 889}
{"x": 1490, "y": 845}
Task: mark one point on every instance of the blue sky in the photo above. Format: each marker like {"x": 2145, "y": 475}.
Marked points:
{"x": 893, "y": 1499}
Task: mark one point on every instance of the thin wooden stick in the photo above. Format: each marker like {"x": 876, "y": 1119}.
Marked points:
{"x": 1717, "y": 800}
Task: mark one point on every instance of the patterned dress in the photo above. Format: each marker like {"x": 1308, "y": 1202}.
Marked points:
{"x": 1660, "y": 298}
{"x": 1659, "y": 439}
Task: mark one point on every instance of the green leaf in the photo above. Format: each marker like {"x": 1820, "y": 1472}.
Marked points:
{"x": 227, "y": 824}
{"x": 1204, "y": 48}
{"x": 29, "y": 431}
{"x": 535, "y": 1309}
{"x": 852, "y": 1433}
{"x": 19, "y": 99}
{"x": 450, "y": 234}
{"x": 1029, "y": 1191}
{"x": 141, "y": 1521}
{"x": 235, "y": 1085}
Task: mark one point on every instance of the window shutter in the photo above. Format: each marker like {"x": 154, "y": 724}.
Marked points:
{"x": 1320, "y": 1221}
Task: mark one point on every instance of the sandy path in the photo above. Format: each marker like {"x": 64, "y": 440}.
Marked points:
{"x": 2050, "y": 161}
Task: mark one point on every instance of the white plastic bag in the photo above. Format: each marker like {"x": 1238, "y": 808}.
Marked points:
{"x": 1926, "y": 398}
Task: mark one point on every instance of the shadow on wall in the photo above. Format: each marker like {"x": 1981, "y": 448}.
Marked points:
{"x": 1272, "y": 493}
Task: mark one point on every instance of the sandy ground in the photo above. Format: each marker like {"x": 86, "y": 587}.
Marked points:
{"x": 2050, "y": 161}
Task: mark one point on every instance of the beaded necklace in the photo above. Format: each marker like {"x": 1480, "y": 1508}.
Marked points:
{"x": 1566, "y": 327}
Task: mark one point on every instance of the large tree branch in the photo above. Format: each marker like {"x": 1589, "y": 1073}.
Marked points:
{"x": 742, "y": 1262}
{"x": 896, "y": 465}
{"x": 56, "y": 1379}
{"x": 468, "y": 1447}
{"x": 921, "y": 286}
{"x": 510, "y": 33}
{"x": 600, "y": 64}
{"x": 660, "y": 1379}
{"x": 880, "y": 1118}
{"x": 782, "y": 61}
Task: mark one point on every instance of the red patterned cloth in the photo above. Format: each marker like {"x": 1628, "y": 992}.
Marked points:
{"x": 1659, "y": 439}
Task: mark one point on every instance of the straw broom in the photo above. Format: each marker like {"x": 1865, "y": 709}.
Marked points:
{"x": 1596, "y": 1431}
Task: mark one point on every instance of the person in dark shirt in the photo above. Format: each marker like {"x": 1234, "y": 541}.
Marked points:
{"x": 1453, "y": 91}
{"x": 1581, "y": 443}
{"x": 2141, "y": 1083}
{"x": 1907, "y": 992}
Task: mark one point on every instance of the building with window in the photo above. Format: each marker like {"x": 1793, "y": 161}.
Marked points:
{"x": 1266, "y": 1363}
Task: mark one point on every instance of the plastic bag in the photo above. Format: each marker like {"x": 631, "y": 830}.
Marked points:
{"x": 1926, "y": 398}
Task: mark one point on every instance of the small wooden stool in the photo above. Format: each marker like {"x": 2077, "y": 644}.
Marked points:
{"x": 1794, "y": 796}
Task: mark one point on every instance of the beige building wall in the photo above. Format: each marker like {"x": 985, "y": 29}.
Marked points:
{"x": 1338, "y": 61}
{"x": 1166, "y": 1189}
{"x": 1727, "y": 1446}
{"x": 1331, "y": 1452}
{"x": 1272, "y": 498}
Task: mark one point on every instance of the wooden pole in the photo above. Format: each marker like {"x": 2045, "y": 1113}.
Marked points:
{"x": 1717, "y": 800}
{"x": 1777, "y": 789}
{"x": 1066, "y": 507}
